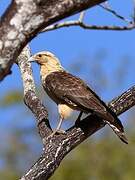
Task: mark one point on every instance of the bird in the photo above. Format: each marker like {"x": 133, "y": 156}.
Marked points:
{"x": 71, "y": 93}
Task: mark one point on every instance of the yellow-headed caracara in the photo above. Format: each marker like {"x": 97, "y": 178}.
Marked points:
{"x": 71, "y": 93}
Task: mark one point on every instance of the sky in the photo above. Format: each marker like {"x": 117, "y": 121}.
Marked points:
{"x": 71, "y": 43}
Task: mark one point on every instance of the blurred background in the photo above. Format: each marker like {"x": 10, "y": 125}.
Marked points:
{"x": 104, "y": 59}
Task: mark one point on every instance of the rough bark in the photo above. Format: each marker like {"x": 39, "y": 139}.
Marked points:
{"x": 58, "y": 146}
{"x": 24, "y": 19}
{"x": 19, "y": 24}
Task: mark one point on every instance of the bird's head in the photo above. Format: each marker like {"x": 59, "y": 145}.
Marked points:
{"x": 45, "y": 58}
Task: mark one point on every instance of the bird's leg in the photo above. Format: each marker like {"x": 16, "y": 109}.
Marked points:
{"x": 58, "y": 130}
{"x": 79, "y": 118}
{"x": 59, "y": 124}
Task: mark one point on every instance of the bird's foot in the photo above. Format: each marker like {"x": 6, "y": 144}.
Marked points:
{"x": 57, "y": 131}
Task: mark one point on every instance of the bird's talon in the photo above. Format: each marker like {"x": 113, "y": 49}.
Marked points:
{"x": 61, "y": 131}
{"x": 57, "y": 132}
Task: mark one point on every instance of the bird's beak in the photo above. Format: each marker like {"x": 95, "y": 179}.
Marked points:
{"x": 31, "y": 59}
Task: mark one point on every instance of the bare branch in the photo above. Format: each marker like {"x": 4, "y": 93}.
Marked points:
{"x": 59, "y": 146}
{"x": 24, "y": 19}
{"x": 87, "y": 27}
{"x": 123, "y": 102}
{"x": 26, "y": 71}
{"x": 30, "y": 97}
{"x": 81, "y": 17}
{"x": 107, "y": 8}
{"x": 79, "y": 22}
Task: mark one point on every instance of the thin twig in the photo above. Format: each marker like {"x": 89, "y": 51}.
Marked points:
{"x": 81, "y": 17}
{"x": 86, "y": 26}
{"x": 107, "y": 8}
{"x": 80, "y": 23}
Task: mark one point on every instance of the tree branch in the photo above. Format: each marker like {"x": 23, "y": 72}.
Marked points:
{"x": 30, "y": 97}
{"x": 80, "y": 23}
{"x": 20, "y": 23}
{"x": 58, "y": 146}
{"x": 24, "y": 19}
{"x": 87, "y": 26}
{"x": 106, "y": 7}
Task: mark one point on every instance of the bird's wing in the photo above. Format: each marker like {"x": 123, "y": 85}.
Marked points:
{"x": 68, "y": 89}
{"x": 72, "y": 90}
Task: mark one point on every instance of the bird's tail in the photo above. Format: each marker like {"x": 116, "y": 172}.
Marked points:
{"x": 117, "y": 126}
{"x": 118, "y": 132}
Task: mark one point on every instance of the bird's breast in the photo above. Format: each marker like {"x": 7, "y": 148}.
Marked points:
{"x": 64, "y": 111}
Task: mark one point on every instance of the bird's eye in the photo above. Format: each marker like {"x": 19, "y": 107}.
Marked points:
{"x": 39, "y": 55}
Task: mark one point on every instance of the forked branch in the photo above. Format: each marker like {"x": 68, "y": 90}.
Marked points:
{"x": 58, "y": 146}
{"x": 24, "y": 19}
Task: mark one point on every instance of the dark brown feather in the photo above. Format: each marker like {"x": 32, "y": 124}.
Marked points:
{"x": 65, "y": 88}
{"x": 72, "y": 90}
